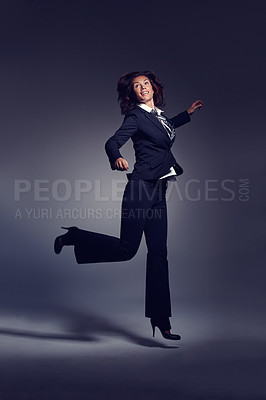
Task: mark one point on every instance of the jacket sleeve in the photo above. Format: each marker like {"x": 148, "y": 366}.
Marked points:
{"x": 180, "y": 119}
{"x": 121, "y": 136}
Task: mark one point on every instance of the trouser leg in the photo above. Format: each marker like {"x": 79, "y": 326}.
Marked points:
{"x": 157, "y": 299}
{"x": 92, "y": 247}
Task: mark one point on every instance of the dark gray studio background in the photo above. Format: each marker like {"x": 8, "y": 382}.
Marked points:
{"x": 71, "y": 331}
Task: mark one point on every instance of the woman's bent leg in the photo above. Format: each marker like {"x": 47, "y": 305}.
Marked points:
{"x": 92, "y": 247}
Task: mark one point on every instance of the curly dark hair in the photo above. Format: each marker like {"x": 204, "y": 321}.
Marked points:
{"x": 126, "y": 95}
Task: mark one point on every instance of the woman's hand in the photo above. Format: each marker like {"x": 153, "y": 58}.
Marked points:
{"x": 196, "y": 105}
{"x": 121, "y": 164}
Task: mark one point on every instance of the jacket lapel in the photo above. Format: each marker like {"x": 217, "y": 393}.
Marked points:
{"x": 156, "y": 122}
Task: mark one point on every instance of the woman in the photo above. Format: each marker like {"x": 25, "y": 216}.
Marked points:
{"x": 144, "y": 203}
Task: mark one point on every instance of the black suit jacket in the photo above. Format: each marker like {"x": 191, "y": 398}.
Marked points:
{"x": 151, "y": 142}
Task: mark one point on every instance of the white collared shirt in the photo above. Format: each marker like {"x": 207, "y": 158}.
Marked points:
{"x": 148, "y": 108}
{"x": 171, "y": 175}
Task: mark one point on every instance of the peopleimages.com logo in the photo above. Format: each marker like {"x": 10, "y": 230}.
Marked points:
{"x": 62, "y": 190}
{"x": 33, "y": 196}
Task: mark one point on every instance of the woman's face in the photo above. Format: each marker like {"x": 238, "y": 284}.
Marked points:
{"x": 143, "y": 89}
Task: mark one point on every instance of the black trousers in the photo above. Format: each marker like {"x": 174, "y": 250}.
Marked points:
{"x": 143, "y": 211}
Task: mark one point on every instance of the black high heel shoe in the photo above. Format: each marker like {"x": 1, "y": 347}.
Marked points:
{"x": 64, "y": 240}
{"x": 162, "y": 327}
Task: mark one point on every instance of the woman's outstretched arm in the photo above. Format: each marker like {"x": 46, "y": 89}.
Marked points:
{"x": 184, "y": 116}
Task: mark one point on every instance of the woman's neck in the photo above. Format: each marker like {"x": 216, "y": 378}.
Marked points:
{"x": 149, "y": 103}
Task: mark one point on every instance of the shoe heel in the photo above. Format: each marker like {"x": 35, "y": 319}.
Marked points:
{"x": 69, "y": 228}
{"x": 164, "y": 326}
{"x": 65, "y": 240}
{"x": 153, "y": 329}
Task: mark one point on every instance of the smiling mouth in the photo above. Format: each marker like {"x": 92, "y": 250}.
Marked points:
{"x": 143, "y": 93}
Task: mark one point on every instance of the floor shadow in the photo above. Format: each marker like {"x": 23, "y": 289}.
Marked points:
{"x": 39, "y": 335}
{"x": 77, "y": 326}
